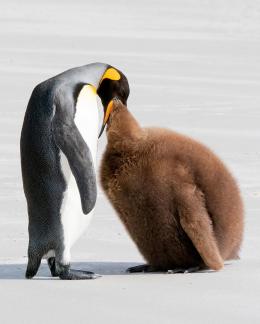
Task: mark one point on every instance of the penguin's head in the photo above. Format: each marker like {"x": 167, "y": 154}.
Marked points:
{"x": 113, "y": 84}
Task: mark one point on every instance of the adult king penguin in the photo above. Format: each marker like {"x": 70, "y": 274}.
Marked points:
{"x": 58, "y": 154}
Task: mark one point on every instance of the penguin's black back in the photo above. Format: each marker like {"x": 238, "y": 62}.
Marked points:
{"x": 42, "y": 177}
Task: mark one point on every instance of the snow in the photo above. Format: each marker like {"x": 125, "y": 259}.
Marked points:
{"x": 193, "y": 66}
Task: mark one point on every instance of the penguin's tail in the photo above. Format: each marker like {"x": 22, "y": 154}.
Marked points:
{"x": 34, "y": 262}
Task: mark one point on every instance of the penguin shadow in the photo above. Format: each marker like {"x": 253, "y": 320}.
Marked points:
{"x": 17, "y": 271}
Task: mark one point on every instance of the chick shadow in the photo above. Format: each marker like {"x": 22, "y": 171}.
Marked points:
{"x": 17, "y": 271}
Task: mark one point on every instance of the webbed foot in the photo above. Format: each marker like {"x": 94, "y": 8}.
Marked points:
{"x": 143, "y": 268}
{"x": 73, "y": 274}
{"x": 184, "y": 270}
{"x": 66, "y": 273}
{"x": 146, "y": 268}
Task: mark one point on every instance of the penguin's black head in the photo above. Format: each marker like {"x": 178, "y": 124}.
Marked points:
{"x": 113, "y": 84}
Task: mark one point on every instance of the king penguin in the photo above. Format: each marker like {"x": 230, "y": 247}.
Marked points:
{"x": 58, "y": 159}
{"x": 177, "y": 199}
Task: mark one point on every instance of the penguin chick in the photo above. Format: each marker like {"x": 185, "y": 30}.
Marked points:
{"x": 178, "y": 201}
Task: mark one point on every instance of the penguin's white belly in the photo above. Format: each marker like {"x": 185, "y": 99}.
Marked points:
{"x": 74, "y": 221}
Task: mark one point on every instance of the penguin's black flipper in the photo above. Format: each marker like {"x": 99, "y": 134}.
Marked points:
{"x": 72, "y": 144}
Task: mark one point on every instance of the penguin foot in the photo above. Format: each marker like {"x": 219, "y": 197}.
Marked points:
{"x": 66, "y": 273}
{"x": 52, "y": 266}
{"x": 143, "y": 268}
{"x": 33, "y": 265}
{"x": 72, "y": 274}
{"x": 184, "y": 270}
{"x": 146, "y": 268}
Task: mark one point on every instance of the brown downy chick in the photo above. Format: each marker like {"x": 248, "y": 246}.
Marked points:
{"x": 178, "y": 201}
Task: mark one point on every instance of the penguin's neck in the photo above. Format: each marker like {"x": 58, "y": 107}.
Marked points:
{"x": 87, "y": 119}
{"x": 123, "y": 128}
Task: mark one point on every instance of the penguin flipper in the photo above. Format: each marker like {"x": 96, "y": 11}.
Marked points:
{"x": 72, "y": 144}
{"x": 197, "y": 224}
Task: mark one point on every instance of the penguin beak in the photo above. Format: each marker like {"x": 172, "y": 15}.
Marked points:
{"x": 111, "y": 74}
{"x": 106, "y": 116}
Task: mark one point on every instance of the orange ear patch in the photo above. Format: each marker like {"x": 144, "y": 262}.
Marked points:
{"x": 111, "y": 74}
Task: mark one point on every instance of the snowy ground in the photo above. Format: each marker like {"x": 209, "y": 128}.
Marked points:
{"x": 193, "y": 66}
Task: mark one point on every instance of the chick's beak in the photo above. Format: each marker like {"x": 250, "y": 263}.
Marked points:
{"x": 106, "y": 116}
